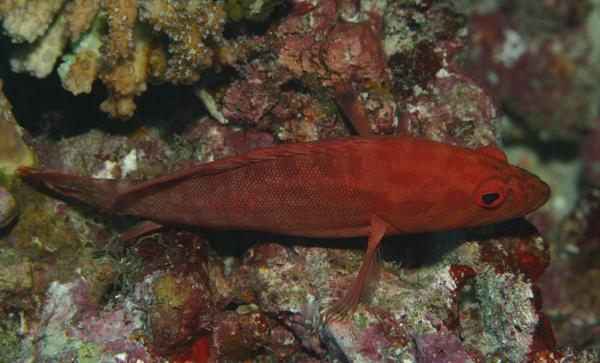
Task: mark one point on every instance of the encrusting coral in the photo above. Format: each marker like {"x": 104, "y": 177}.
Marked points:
{"x": 120, "y": 42}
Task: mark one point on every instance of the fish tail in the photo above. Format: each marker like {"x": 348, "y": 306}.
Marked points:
{"x": 99, "y": 193}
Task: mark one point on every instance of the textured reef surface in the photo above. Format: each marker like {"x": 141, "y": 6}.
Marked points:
{"x": 192, "y": 81}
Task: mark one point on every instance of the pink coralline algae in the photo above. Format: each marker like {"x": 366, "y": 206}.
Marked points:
{"x": 172, "y": 287}
{"x": 311, "y": 49}
{"x": 74, "y": 328}
{"x": 570, "y": 285}
{"x": 239, "y": 336}
{"x": 440, "y": 346}
{"x": 295, "y": 95}
{"x": 549, "y": 79}
{"x": 313, "y": 56}
{"x": 453, "y": 109}
{"x": 289, "y": 282}
{"x": 313, "y": 42}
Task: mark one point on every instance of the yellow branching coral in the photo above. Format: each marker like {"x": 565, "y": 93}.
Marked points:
{"x": 80, "y": 15}
{"x": 80, "y": 68}
{"x": 39, "y": 58}
{"x": 124, "y": 43}
{"x": 28, "y": 20}
{"x": 188, "y": 24}
{"x": 121, "y": 16}
{"x": 128, "y": 78}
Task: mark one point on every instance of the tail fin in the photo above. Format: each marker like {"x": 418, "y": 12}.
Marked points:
{"x": 95, "y": 192}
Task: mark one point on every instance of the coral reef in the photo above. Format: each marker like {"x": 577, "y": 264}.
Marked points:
{"x": 118, "y": 42}
{"x": 570, "y": 285}
{"x": 75, "y": 328}
{"x": 173, "y": 288}
{"x": 270, "y": 72}
{"x": 469, "y": 115}
{"x": 542, "y": 61}
{"x": 313, "y": 51}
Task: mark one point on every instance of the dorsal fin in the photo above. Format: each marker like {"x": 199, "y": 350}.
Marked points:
{"x": 353, "y": 109}
{"x": 493, "y": 151}
{"x": 249, "y": 157}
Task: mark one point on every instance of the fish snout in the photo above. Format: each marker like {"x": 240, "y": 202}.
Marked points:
{"x": 540, "y": 192}
{"x": 531, "y": 192}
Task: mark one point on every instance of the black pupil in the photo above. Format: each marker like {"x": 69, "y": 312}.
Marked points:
{"x": 489, "y": 198}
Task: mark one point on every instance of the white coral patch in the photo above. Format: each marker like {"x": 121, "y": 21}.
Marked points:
{"x": 108, "y": 171}
{"x": 129, "y": 163}
{"x": 28, "y": 21}
{"x": 512, "y": 49}
{"x": 256, "y": 7}
{"x": 442, "y": 73}
{"x": 39, "y": 58}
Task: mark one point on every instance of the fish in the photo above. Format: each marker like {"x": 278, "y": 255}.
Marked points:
{"x": 372, "y": 186}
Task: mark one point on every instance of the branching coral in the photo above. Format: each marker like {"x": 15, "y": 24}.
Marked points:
{"x": 80, "y": 16}
{"x": 180, "y": 20}
{"x": 120, "y": 42}
{"x": 28, "y": 20}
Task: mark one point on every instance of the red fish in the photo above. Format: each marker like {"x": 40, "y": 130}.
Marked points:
{"x": 370, "y": 186}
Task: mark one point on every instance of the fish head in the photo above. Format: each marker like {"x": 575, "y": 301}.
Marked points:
{"x": 456, "y": 187}
{"x": 506, "y": 191}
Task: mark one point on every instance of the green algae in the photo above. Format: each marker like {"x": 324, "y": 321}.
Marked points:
{"x": 15, "y": 272}
{"x": 170, "y": 292}
{"x": 40, "y": 229}
{"x": 253, "y": 10}
{"x": 89, "y": 353}
{"x": 9, "y": 341}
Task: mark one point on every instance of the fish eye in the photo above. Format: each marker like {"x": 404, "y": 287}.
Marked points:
{"x": 490, "y": 192}
{"x": 489, "y": 198}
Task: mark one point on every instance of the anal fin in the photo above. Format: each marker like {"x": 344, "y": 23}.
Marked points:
{"x": 140, "y": 229}
{"x": 367, "y": 276}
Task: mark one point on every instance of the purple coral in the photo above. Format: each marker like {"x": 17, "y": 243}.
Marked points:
{"x": 440, "y": 346}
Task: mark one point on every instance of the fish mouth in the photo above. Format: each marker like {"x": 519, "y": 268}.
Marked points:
{"x": 533, "y": 190}
{"x": 538, "y": 193}
{"x": 545, "y": 192}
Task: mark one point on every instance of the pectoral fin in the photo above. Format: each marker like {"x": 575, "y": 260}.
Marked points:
{"x": 367, "y": 276}
{"x": 140, "y": 229}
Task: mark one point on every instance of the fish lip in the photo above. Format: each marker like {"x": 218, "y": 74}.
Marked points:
{"x": 537, "y": 191}
{"x": 543, "y": 190}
